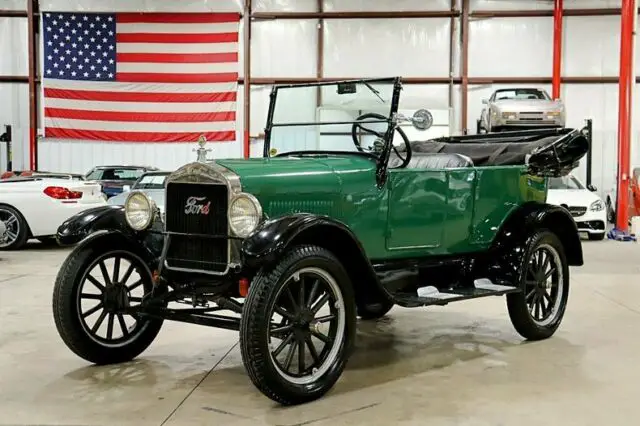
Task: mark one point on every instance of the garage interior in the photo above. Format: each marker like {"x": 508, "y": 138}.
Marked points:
{"x": 462, "y": 364}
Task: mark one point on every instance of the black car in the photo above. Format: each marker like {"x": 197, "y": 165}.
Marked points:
{"x": 114, "y": 178}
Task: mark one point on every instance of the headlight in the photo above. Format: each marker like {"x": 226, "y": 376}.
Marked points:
{"x": 596, "y": 206}
{"x": 553, "y": 114}
{"x": 245, "y": 213}
{"x": 509, "y": 115}
{"x": 139, "y": 210}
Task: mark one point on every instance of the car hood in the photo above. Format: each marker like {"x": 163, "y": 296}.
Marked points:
{"x": 571, "y": 197}
{"x": 519, "y": 105}
{"x": 316, "y": 184}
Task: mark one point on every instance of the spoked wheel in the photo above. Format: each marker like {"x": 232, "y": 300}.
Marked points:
{"x": 13, "y": 229}
{"x": 94, "y": 289}
{"x": 537, "y": 311}
{"x": 298, "y": 326}
{"x": 307, "y": 320}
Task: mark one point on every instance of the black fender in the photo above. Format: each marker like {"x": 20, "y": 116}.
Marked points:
{"x": 531, "y": 216}
{"x": 109, "y": 222}
{"x": 272, "y": 238}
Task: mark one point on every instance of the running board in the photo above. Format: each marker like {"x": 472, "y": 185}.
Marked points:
{"x": 429, "y": 296}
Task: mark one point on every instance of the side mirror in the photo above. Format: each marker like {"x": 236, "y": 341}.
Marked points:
{"x": 592, "y": 188}
{"x": 126, "y": 188}
{"x": 422, "y": 119}
{"x": 485, "y": 101}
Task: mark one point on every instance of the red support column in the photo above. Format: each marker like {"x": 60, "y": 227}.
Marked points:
{"x": 246, "y": 143}
{"x": 557, "y": 48}
{"x": 33, "y": 90}
{"x": 624, "y": 118}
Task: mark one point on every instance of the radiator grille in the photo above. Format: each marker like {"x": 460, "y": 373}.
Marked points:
{"x": 196, "y": 221}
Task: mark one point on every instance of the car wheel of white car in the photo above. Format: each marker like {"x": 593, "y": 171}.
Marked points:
{"x": 15, "y": 232}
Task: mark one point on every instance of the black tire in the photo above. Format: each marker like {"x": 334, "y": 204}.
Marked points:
{"x": 596, "y": 237}
{"x": 21, "y": 226}
{"x": 521, "y": 314}
{"x": 67, "y": 307}
{"x": 48, "y": 241}
{"x": 266, "y": 289}
{"x": 373, "y": 311}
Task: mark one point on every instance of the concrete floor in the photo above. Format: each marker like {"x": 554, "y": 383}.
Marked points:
{"x": 457, "y": 365}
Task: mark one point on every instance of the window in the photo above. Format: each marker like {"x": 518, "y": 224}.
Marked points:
{"x": 520, "y": 94}
{"x": 151, "y": 182}
{"x": 565, "y": 182}
{"x": 115, "y": 174}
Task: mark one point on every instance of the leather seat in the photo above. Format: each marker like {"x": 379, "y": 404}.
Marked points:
{"x": 432, "y": 161}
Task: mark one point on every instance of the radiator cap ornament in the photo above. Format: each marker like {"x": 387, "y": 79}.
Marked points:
{"x": 202, "y": 151}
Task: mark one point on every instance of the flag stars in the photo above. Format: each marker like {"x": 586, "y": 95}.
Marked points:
{"x": 61, "y": 72}
{"x": 67, "y": 23}
{"x": 104, "y": 68}
{"x": 111, "y": 61}
{"x": 60, "y": 17}
{"x": 49, "y": 43}
{"x": 62, "y": 58}
{"x": 55, "y": 65}
{"x": 98, "y": 74}
{"x": 73, "y": 31}
{"x": 54, "y": 22}
{"x": 49, "y": 29}
{"x": 110, "y": 33}
{"x": 85, "y": 18}
{"x": 98, "y": 32}
{"x": 49, "y": 72}
{"x": 93, "y": 67}
{"x": 73, "y": 73}
{"x": 98, "y": 18}
{"x": 93, "y": 53}
{"x": 61, "y": 44}
{"x": 87, "y": 60}
{"x": 61, "y": 30}
{"x": 111, "y": 47}
{"x": 92, "y": 25}
{"x": 105, "y": 54}
{"x": 74, "y": 45}
{"x": 110, "y": 19}
{"x": 68, "y": 52}
{"x": 99, "y": 60}
{"x": 55, "y": 36}
{"x": 55, "y": 50}
{"x": 110, "y": 75}
{"x": 99, "y": 47}
{"x": 104, "y": 40}
{"x": 104, "y": 26}
{"x": 92, "y": 39}
{"x": 49, "y": 57}
{"x": 86, "y": 74}
{"x": 74, "y": 59}
{"x": 73, "y": 17}
{"x": 68, "y": 38}
{"x": 68, "y": 66}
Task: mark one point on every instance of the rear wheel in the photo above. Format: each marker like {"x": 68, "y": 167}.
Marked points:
{"x": 537, "y": 311}
{"x": 94, "y": 287}
{"x": 14, "y": 231}
{"x": 298, "y": 326}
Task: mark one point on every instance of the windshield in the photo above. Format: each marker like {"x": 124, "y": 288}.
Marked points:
{"x": 151, "y": 182}
{"x": 520, "y": 94}
{"x": 115, "y": 174}
{"x": 565, "y": 182}
{"x": 321, "y": 117}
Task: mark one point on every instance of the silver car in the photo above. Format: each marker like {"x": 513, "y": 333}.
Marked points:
{"x": 520, "y": 109}
{"x": 151, "y": 183}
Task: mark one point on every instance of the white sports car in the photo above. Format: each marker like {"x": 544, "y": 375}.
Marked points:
{"x": 35, "y": 207}
{"x": 586, "y": 207}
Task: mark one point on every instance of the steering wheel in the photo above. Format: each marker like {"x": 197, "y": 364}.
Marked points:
{"x": 357, "y": 125}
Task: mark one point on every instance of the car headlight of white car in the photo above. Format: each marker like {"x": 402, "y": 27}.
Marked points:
{"x": 596, "y": 206}
{"x": 139, "y": 210}
{"x": 245, "y": 213}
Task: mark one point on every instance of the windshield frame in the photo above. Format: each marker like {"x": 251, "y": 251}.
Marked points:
{"x": 391, "y": 120}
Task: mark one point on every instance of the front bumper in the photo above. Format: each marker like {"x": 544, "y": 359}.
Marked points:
{"x": 592, "y": 222}
{"x": 528, "y": 120}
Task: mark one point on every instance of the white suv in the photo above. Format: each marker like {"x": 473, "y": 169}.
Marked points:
{"x": 586, "y": 207}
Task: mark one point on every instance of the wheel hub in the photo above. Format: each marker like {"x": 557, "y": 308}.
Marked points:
{"x": 116, "y": 298}
{"x": 3, "y": 231}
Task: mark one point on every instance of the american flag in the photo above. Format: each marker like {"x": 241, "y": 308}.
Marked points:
{"x": 140, "y": 77}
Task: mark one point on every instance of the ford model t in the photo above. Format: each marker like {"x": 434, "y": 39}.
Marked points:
{"x": 343, "y": 217}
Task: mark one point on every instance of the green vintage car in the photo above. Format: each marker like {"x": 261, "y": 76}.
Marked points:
{"x": 343, "y": 217}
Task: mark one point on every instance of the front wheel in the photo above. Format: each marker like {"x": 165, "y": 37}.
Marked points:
{"x": 93, "y": 288}
{"x": 536, "y": 311}
{"x": 298, "y": 326}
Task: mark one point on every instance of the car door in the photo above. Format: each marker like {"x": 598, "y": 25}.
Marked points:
{"x": 430, "y": 211}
